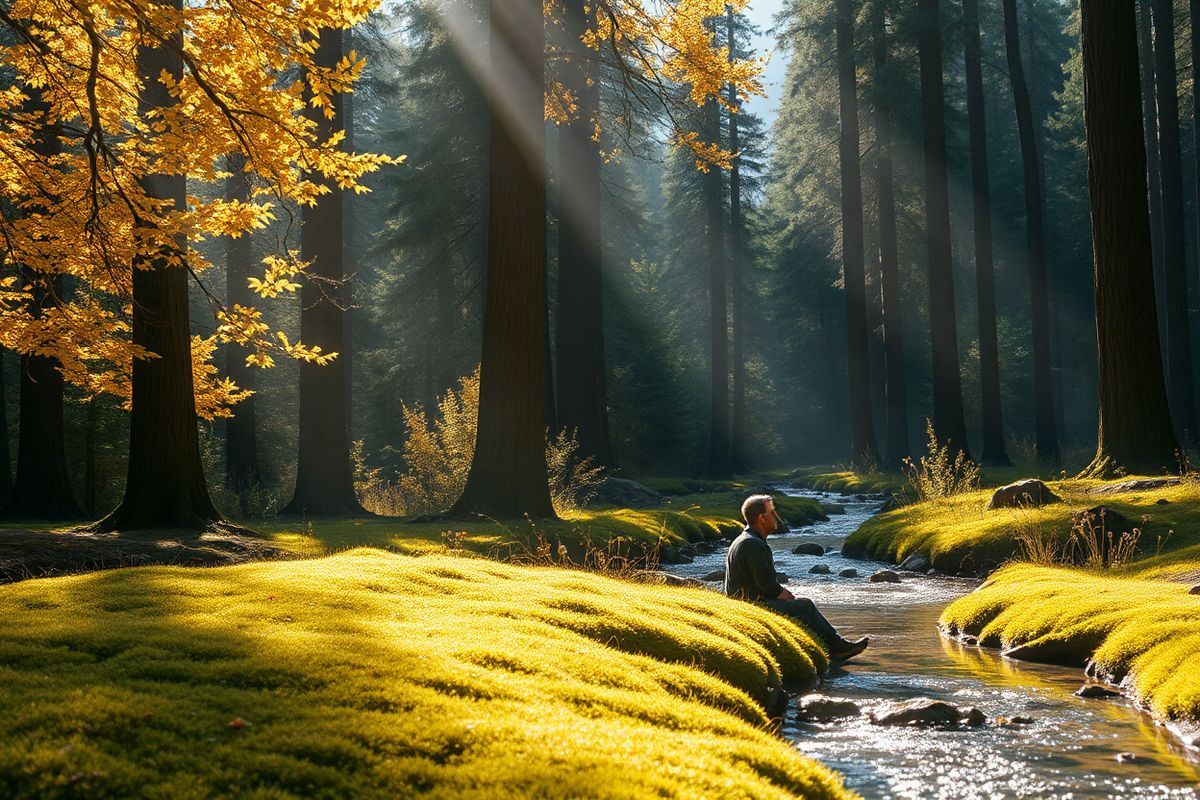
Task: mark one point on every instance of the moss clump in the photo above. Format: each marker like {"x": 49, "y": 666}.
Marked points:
{"x": 1139, "y": 632}
{"x": 376, "y": 674}
{"x": 832, "y": 479}
{"x": 962, "y": 536}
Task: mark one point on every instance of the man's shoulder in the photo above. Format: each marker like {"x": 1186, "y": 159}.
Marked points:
{"x": 747, "y": 539}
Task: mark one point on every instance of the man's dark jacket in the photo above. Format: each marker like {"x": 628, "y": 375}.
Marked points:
{"x": 750, "y": 569}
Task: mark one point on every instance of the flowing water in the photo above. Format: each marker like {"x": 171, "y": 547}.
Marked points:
{"x": 1069, "y": 751}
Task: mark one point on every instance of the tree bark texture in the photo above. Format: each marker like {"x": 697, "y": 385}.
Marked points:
{"x": 1035, "y": 235}
{"x": 1179, "y": 340}
{"x": 889, "y": 259}
{"x": 1135, "y": 430}
{"x": 1153, "y": 168}
{"x": 580, "y": 374}
{"x": 165, "y": 487}
{"x": 507, "y": 478}
{"x": 241, "y": 443}
{"x": 981, "y": 214}
{"x": 324, "y": 477}
{"x": 948, "y": 421}
{"x": 862, "y": 428}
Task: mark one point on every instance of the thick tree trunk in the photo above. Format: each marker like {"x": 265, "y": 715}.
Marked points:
{"x": 582, "y": 397}
{"x": 42, "y": 485}
{"x": 737, "y": 278}
{"x": 165, "y": 487}
{"x": 241, "y": 443}
{"x": 5, "y": 457}
{"x": 948, "y": 421}
{"x": 1194, "y": 19}
{"x": 720, "y": 437}
{"x": 1153, "y": 168}
{"x": 324, "y": 477}
{"x": 1035, "y": 231}
{"x": 349, "y": 257}
{"x": 889, "y": 259}
{"x": 508, "y": 472}
{"x": 981, "y": 208}
{"x": 862, "y": 428}
{"x": 1135, "y": 426}
{"x": 89, "y": 459}
{"x": 1179, "y": 340}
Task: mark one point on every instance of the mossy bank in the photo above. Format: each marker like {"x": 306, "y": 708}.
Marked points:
{"x": 372, "y": 673}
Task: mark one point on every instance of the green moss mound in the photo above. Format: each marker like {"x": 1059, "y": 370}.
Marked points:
{"x": 373, "y": 674}
{"x": 1142, "y": 633}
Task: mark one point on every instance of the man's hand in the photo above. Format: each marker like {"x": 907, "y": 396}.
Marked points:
{"x": 786, "y": 595}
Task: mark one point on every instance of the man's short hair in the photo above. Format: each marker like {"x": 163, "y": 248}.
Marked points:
{"x": 754, "y": 506}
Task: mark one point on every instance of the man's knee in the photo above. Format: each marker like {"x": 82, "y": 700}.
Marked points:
{"x": 804, "y": 605}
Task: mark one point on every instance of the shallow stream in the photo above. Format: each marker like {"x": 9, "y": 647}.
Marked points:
{"x": 1069, "y": 751}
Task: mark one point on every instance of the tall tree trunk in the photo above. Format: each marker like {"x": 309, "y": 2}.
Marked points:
{"x": 862, "y": 428}
{"x": 324, "y": 477}
{"x": 5, "y": 456}
{"x": 981, "y": 208}
{"x": 720, "y": 438}
{"x": 1153, "y": 168}
{"x": 165, "y": 486}
{"x": 41, "y": 488}
{"x": 1194, "y": 19}
{"x": 1135, "y": 431}
{"x": 737, "y": 278}
{"x": 1179, "y": 340}
{"x": 89, "y": 459}
{"x": 889, "y": 259}
{"x": 1035, "y": 231}
{"x": 582, "y": 397}
{"x": 508, "y": 472}
{"x": 948, "y": 421}
{"x": 241, "y": 443}
{"x": 350, "y": 211}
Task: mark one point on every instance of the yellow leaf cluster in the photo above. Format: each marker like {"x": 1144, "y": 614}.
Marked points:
{"x": 78, "y": 158}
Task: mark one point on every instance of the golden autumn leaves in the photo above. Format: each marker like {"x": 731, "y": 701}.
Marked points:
{"x": 80, "y": 151}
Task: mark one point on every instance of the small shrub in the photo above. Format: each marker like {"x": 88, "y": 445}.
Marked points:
{"x": 938, "y": 475}
{"x": 1098, "y": 548}
{"x": 1039, "y": 543}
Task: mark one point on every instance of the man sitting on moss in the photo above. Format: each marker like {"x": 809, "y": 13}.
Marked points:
{"x": 750, "y": 574}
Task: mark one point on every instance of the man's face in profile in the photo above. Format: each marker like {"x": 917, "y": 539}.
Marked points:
{"x": 768, "y": 522}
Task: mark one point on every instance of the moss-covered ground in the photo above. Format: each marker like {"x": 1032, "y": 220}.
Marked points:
{"x": 371, "y": 673}
{"x": 1136, "y": 624}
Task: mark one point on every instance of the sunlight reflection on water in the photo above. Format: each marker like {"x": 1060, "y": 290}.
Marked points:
{"x": 1068, "y": 752}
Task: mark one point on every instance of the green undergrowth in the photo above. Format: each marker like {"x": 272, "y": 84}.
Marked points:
{"x": 961, "y": 535}
{"x": 847, "y": 481}
{"x": 375, "y": 674}
{"x": 1143, "y": 633}
{"x": 692, "y": 518}
{"x": 688, "y": 486}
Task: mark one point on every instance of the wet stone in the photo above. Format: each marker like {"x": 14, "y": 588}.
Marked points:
{"x": 809, "y": 549}
{"x": 819, "y": 569}
{"x": 1095, "y": 690}
{"x": 849, "y": 572}
{"x": 922, "y": 711}
{"x": 715, "y": 575}
{"x": 884, "y": 576}
{"x": 819, "y": 708}
{"x": 915, "y": 563}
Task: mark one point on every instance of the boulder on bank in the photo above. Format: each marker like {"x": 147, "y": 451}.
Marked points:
{"x": 923, "y": 711}
{"x": 1138, "y": 485}
{"x": 1028, "y": 493}
{"x": 820, "y": 708}
{"x": 624, "y": 493}
{"x": 1096, "y": 691}
{"x": 716, "y": 576}
{"x": 1104, "y": 520}
{"x": 916, "y": 563}
{"x": 808, "y": 549}
{"x": 884, "y": 576}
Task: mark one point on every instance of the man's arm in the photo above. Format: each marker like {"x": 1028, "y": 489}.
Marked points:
{"x": 762, "y": 571}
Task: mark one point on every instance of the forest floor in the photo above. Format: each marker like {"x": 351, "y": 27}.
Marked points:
{"x": 1133, "y": 625}
{"x": 370, "y": 673}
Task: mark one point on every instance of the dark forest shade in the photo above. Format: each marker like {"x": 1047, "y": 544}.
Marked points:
{"x": 1135, "y": 430}
{"x": 165, "y": 485}
{"x": 580, "y": 368}
{"x": 948, "y": 421}
{"x": 889, "y": 259}
{"x": 1153, "y": 169}
{"x": 324, "y": 478}
{"x": 737, "y": 261}
{"x": 508, "y": 472}
{"x": 1194, "y": 26}
{"x": 1035, "y": 236}
{"x": 719, "y": 435}
{"x": 862, "y": 428}
{"x": 241, "y": 443}
{"x": 5, "y": 456}
{"x": 981, "y": 215}
{"x": 1178, "y": 344}
{"x": 41, "y": 487}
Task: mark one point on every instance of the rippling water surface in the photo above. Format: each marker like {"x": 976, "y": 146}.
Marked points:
{"x": 1068, "y": 752}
